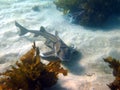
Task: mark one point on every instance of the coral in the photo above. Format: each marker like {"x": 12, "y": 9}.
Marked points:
{"x": 30, "y": 73}
{"x": 115, "y": 65}
{"x": 89, "y": 12}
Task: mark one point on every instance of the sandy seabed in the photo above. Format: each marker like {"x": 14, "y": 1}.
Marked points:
{"x": 87, "y": 70}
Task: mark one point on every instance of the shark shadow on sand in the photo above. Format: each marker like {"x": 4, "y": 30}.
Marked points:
{"x": 73, "y": 66}
{"x": 56, "y": 87}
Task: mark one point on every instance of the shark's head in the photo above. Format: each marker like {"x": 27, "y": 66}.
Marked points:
{"x": 65, "y": 54}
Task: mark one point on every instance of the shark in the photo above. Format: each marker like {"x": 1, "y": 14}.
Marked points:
{"x": 58, "y": 48}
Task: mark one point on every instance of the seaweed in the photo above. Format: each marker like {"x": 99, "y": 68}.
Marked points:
{"x": 115, "y": 65}
{"x": 89, "y": 12}
{"x": 30, "y": 73}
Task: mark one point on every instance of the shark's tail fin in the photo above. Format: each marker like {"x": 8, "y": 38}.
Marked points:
{"x": 22, "y": 29}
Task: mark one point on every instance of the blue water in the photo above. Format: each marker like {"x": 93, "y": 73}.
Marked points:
{"x": 93, "y": 45}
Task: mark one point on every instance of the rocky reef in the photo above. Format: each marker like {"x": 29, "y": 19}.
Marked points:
{"x": 115, "y": 65}
{"x": 30, "y": 73}
{"x": 89, "y": 12}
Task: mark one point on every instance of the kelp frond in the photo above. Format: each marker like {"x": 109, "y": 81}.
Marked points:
{"x": 31, "y": 73}
{"x": 115, "y": 65}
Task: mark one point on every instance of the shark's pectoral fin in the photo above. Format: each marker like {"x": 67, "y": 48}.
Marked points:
{"x": 55, "y": 49}
{"x": 48, "y": 54}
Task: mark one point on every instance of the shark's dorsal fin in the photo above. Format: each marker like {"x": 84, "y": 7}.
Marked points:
{"x": 42, "y": 29}
{"x": 56, "y": 33}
